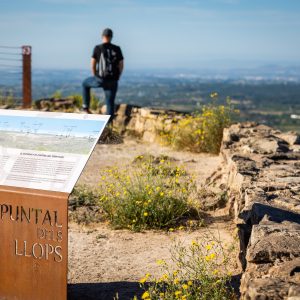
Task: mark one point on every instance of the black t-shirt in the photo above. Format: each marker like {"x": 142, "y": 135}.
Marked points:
{"x": 113, "y": 53}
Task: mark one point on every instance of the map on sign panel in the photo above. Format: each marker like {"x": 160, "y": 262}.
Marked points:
{"x": 46, "y": 151}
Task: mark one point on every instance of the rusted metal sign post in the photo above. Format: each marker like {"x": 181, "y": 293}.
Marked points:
{"x": 27, "y": 96}
{"x": 34, "y": 244}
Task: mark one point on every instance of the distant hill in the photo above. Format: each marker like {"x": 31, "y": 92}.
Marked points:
{"x": 268, "y": 94}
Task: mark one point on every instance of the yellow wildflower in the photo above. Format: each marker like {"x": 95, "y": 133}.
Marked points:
{"x": 160, "y": 261}
{"x": 143, "y": 280}
{"x": 145, "y": 214}
{"x": 208, "y": 247}
{"x": 190, "y": 283}
{"x": 210, "y": 257}
{"x": 146, "y": 295}
{"x": 185, "y": 286}
{"x": 164, "y": 277}
{"x": 215, "y": 272}
{"x": 178, "y": 293}
{"x": 176, "y": 281}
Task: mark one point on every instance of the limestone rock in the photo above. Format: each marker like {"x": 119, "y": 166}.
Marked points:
{"x": 269, "y": 145}
{"x": 266, "y": 289}
{"x": 290, "y": 137}
{"x": 271, "y": 242}
{"x": 294, "y": 293}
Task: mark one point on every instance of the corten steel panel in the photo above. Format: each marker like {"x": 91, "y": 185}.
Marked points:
{"x": 33, "y": 266}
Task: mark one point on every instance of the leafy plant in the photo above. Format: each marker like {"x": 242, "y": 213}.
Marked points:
{"x": 202, "y": 131}
{"x": 83, "y": 205}
{"x": 152, "y": 194}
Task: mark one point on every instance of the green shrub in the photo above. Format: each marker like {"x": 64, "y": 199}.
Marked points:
{"x": 77, "y": 100}
{"x": 149, "y": 194}
{"x": 7, "y": 98}
{"x": 58, "y": 94}
{"x": 201, "y": 132}
{"x": 84, "y": 206}
{"x": 94, "y": 104}
{"x": 198, "y": 271}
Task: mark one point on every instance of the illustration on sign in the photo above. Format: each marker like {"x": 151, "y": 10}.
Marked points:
{"x": 46, "y": 151}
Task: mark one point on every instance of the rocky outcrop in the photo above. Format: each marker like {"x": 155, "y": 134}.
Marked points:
{"x": 261, "y": 170}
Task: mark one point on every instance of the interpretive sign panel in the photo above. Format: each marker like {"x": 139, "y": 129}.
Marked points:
{"x": 41, "y": 158}
{"x": 46, "y": 151}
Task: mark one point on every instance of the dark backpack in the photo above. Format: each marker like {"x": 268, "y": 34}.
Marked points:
{"x": 108, "y": 63}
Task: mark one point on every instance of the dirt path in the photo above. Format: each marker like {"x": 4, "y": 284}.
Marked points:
{"x": 106, "y": 155}
{"x": 103, "y": 261}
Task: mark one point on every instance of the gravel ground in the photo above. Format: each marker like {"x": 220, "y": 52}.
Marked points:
{"x": 102, "y": 261}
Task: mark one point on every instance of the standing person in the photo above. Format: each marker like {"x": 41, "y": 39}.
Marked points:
{"x": 107, "y": 65}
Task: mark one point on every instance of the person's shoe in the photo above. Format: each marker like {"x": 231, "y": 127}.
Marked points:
{"x": 86, "y": 110}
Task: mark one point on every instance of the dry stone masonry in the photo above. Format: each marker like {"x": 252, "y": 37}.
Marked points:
{"x": 144, "y": 122}
{"x": 261, "y": 169}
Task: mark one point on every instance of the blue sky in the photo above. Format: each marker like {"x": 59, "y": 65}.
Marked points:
{"x": 156, "y": 33}
{"x": 51, "y": 125}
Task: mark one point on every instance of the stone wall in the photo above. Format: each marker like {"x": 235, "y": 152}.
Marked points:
{"x": 261, "y": 169}
{"x": 143, "y": 122}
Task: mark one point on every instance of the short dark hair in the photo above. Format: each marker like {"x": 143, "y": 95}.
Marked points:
{"x": 107, "y": 32}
